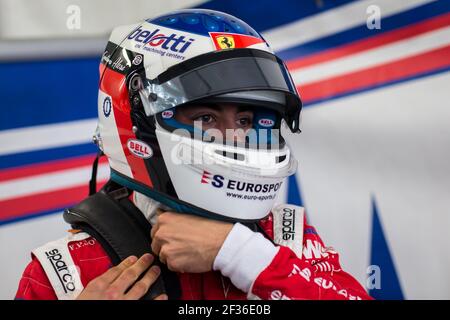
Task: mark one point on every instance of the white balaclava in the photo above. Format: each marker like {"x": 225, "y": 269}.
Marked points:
{"x": 148, "y": 206}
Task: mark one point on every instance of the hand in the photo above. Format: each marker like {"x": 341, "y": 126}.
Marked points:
{"x": 114, "y": 283}
{"x": 187, "y": 243}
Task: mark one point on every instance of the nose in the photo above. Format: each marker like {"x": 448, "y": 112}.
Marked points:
{"x": 231, "y": 130}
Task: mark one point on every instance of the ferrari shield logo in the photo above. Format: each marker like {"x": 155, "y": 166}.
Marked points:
{"x": 225, "y": 42}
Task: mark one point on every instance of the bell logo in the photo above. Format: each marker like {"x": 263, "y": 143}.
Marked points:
{"x": 139, "y": 149}
{"x": 167, "y": 114}
{"x": 266, "y": 122}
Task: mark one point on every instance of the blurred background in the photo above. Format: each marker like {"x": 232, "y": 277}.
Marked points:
{"x": 374, "y": 154}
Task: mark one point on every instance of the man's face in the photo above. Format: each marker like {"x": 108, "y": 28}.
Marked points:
{"x": 220, "y": 117}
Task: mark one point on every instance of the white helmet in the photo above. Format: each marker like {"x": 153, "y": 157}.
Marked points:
{"x": 150, "y": 69}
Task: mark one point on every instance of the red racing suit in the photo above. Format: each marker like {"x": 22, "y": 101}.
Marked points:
{"x": 301, "y": 268}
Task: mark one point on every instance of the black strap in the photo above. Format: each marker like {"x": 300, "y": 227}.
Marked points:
{"x": 121, "y": 229}
{"x": 93, "y": 181}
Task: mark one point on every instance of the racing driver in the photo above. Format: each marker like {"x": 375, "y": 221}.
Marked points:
{"x": 191, "y": 105}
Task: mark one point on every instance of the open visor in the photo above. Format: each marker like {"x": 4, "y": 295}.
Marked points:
{"x": 222, "y": 73}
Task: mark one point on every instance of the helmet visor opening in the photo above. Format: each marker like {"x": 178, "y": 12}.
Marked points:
{"x": 221, "y": 73}
{"x": 232, "y": 124}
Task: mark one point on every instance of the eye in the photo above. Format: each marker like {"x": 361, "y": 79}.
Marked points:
{"x": 244, "y": 121}
{"x": 206, "y": 118}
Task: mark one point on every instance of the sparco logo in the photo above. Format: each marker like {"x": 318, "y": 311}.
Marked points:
{"x": 288, "y": 222}
{"x": 173, "y": 42}
{"x": 219, "y": 181}
{"x": 61, "y": 269}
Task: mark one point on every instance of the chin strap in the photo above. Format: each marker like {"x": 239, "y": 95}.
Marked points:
{"x": 93, "y": 181}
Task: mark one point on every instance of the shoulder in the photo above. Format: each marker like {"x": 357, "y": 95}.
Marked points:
{"x": 34, "y": 284}
{"x": 78, "y": 249}
{"x": 65, "y": 266}
{"x": 79, "y": 245}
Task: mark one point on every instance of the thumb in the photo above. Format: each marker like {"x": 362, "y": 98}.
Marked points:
{"x": 159, "y": 211}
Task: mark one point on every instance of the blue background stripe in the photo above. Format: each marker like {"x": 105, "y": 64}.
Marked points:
{"x": 390, "y": 288}
{"x": 31, "y": 216}
{"x": 294, "y": 195}
{"x": 43, "y": 92}
{"x": 39, "y": 156}
{"x": 268, "y": 14}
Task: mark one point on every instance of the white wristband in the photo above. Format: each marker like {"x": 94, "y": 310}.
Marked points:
{"x": 243, "y": 256}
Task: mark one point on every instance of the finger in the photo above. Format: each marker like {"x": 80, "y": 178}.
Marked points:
{"x": 113, "y": 273}
{"x": 162, "y": 297}
{"x": 156, "y": 246}
{"x": 141, "y": 287}
{"x": 131, "y": 274}
{"x": 163, "y": 256}
{"x": 159, "y": 211}
{"x": 155, "y": 228}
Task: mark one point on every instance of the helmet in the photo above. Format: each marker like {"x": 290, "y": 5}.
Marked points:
{"x": 150, "y": 69}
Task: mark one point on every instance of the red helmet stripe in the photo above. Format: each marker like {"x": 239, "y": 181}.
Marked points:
{"x": 121, "y": 109}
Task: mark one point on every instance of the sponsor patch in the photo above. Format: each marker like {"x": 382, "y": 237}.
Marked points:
{"x": 236, "y": 189}
{"x": 206, "y": 177}
{"x": 139, "y": 148}
{"x": 288, "y": 227}
{"x": 219, "y": 181}
{"x": 266, "y": 122}
{"x": 107, "y": 106}
{"x": 164, "y": 43}
{"x": 116, "y": 62}
{"x": 59, "y": 267}
{"x": 137, "y": 60}
{"x": 167, "y": 114}
{"x": 223, "y": 41}
{"x": 173, "y": 42}
{"x": 63, "y": 271}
